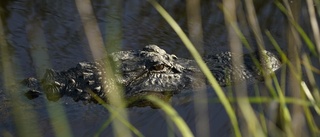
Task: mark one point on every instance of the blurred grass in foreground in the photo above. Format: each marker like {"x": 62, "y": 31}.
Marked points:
{"x": 204, "y": 68}
{"x": 255, "y": 125}
{"x": 284, "y": 113}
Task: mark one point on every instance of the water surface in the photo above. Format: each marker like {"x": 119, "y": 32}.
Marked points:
{"x": 51, "y": 32}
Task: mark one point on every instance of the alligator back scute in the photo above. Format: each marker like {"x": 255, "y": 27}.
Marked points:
{"x": 252, "y": 68}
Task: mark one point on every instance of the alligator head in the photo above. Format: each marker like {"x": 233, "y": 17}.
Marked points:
{"x": 152, "y": 71}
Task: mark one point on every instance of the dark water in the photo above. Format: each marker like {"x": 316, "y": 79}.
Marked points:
{"x": 57, "y": 26}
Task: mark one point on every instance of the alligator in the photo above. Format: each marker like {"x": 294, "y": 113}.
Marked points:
{"x": 150, "y": 71}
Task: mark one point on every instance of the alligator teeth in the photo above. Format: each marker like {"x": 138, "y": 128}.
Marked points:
{"x": 90, "y": 82}
{"x": 97, "y": 89}
{"x": 79, "y": 90}
{"x": 86, "y": 75}
{"x": 72, "y": 81}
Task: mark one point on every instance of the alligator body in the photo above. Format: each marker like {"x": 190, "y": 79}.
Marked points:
{"x": 143, "y": 72}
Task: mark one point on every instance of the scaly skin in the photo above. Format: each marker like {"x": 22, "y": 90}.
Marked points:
{"x": 150, "y": 71}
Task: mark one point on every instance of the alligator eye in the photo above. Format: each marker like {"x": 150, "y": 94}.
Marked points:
{"x": 158, "y": 67}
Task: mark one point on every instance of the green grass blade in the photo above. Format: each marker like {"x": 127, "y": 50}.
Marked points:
{"x": 314, "y": 22}
{"x": 204, "y": 68}
{"x": 173, "y": 115}
{"x": 310, "y": 97}
{"x": 302, "y": 33}
{"x": 95, "y": 40}
{"x": 22, "y": 120}
{"x": 40, "y": 56}
{"x": 116, "y": 113}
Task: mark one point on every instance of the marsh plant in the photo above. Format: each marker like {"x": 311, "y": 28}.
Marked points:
{"x": 286, "y": 105}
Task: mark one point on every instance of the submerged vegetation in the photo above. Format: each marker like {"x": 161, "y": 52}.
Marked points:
{"x": 287, "y": 105}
